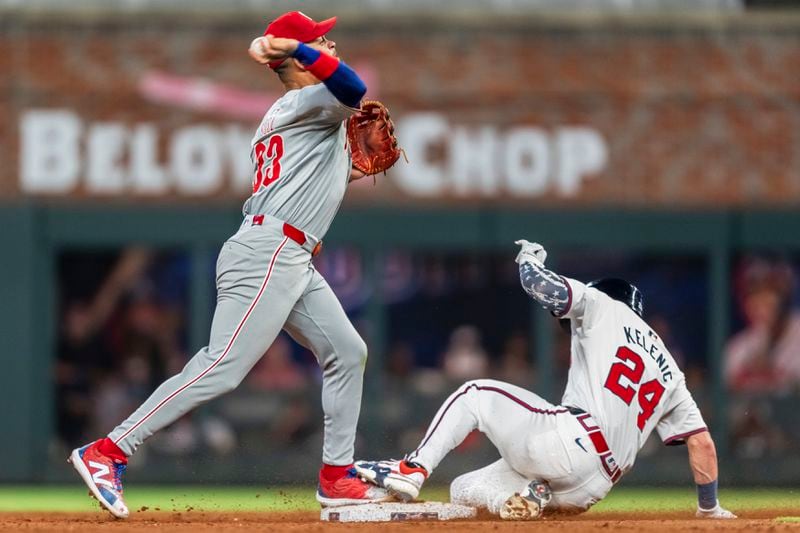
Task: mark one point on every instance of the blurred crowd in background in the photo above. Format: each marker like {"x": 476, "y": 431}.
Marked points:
{"x": 450, "y": 318}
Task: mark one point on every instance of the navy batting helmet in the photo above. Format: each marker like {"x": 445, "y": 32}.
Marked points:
{"x": 622, "y": 291}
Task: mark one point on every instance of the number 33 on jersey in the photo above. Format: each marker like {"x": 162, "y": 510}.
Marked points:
{"x": 624, "y": 376}
{"x": 301, "y": 160}
{"x": 271, "y": 154}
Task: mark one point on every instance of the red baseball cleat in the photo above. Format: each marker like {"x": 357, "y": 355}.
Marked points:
{"x": 103, "y": 475}
{"x": 349, "y": 490}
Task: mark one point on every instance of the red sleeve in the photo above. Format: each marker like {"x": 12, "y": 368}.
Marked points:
{"x": 323, "y": 67}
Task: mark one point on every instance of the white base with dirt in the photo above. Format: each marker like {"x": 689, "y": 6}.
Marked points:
{"x": 397, "y": 512}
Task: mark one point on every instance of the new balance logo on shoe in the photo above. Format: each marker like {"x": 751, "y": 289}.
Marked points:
{"x": 100, "y": 472}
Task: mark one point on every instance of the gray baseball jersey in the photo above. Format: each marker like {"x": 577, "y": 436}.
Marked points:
{"x": 301, "y": 159}
{"x": 266, "y": 281}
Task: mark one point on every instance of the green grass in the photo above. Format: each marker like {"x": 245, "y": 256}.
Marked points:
{"x": 675, "y": 499}
{"x": 220, "y": 498}
{"x": 165, "y": 498}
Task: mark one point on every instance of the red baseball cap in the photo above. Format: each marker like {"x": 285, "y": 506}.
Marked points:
{"x": 298, "y": 25}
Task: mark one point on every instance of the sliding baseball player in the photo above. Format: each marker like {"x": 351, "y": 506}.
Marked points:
{"x": 623, "y": 384}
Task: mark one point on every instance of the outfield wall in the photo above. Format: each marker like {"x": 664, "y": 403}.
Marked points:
{"x": 31, "y": 317}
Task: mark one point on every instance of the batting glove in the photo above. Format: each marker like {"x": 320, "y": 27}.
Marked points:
{"x": 717, "y": 512}
{"x": 531, "y": 252}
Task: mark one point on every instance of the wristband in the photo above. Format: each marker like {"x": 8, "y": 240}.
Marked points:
{"x": 320, "y": 64}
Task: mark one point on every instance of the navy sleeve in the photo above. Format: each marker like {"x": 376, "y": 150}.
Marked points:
{"x": 340, "y": 79}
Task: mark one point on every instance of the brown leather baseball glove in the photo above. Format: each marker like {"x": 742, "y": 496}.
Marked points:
{"x": 370, "y": 133}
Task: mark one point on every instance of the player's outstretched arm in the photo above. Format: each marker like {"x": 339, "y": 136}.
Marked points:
{"x": 703, "y": 461}
{"x": 338, "y": 77}
{"x": 543, "y": 285}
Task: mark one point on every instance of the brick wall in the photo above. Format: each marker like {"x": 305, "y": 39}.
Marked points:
{"x": 686, "y": 114}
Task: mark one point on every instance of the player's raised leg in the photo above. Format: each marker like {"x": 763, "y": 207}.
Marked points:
{"x": 253, "y": 287}
{"x": 319, "y": 323}
{"x": 508, "y": 415}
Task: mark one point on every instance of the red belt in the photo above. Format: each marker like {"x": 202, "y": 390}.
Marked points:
{"x": 600, "y": 444}
{"x": 297, "y": 235}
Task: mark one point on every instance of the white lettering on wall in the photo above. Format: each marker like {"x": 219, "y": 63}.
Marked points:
{"x": 527, "y": 157}
{"x": 117, "y": 158}
{"x": 49, "y": 147}
{"x": 60, "y": 153}
{"x": 524, "y": 161}
{"x": 580, "y": 152}
{"x": 196, "y": 160}
{"x": 105, "y": 147}
{"x": 147, "y": 176}
{"x": 420, "y": 134}
{"x": 472, "y": 161}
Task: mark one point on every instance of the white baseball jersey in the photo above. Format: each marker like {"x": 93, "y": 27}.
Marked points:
{"x": 301, "y": 160}
{"x": 623, "y": 375}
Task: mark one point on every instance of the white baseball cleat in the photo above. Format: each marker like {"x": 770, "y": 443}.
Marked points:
{"x": 716, "y": 512}
{"x": 529, "y": 505}
{"x": 403, "y": 479}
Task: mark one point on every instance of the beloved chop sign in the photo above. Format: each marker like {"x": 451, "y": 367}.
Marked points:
{"x": 62, "y": 154}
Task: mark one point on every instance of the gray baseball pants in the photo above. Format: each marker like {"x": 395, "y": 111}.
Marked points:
{"x": 265, "y": 282}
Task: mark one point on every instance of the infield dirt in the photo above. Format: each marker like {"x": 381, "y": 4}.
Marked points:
{"x": 203, "y": 521}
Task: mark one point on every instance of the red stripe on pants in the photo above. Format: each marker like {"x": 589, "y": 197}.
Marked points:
{"x": 224, "y": 353}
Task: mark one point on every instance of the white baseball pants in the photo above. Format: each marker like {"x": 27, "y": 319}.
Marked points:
{"x": 536, "y": 440}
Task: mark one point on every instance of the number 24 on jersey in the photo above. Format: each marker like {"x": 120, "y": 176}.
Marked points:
{"x": 648, "y": 394}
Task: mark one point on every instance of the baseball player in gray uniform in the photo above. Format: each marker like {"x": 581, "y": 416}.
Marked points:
{"x": 265, "y": 278}
{"x": 623, "y": 384}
